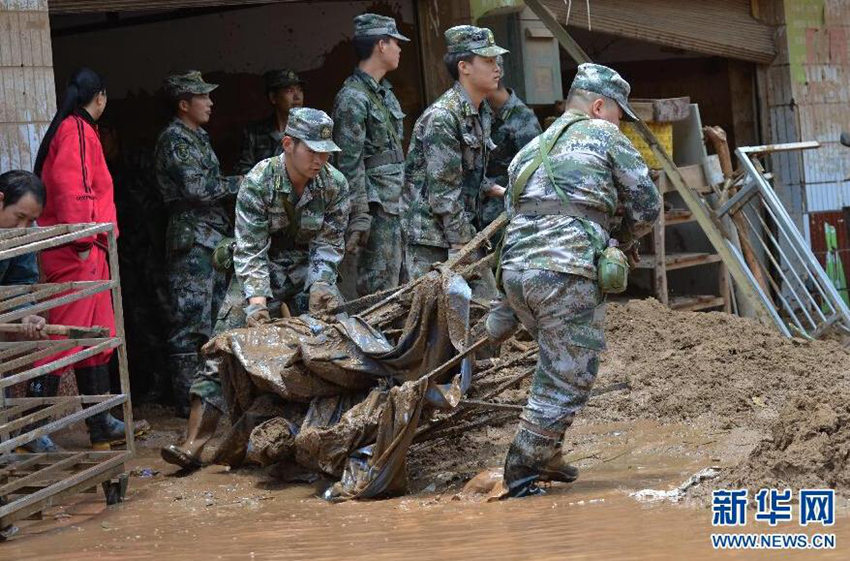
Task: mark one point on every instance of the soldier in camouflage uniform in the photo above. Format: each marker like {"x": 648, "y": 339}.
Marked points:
{"x": 261, "y": 140}
{"x": 445, "y": 168}
{"x": 291, "y": 215}
{"x": 514, "y": 126}
{"x": 560, "y": 221}
{"x": 370, "y": 128}
{"x": 193, "y": 189}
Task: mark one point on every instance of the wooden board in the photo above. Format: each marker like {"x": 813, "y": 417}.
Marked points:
{"x": 662, "y": 110}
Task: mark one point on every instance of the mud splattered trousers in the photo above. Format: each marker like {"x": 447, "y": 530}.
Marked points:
{"x": 196, "y": 291}
{"x": 565, "y": 315}
{"x": 206, "y": 383}
{"x": 379, "y": 262}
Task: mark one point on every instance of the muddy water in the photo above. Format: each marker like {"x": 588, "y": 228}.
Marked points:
{"x": 217, "y": 514}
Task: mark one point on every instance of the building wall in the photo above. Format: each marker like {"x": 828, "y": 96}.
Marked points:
{"x": 27, "y": 98}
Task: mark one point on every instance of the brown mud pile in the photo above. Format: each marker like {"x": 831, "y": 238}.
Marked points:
{"x": 808, "y": 447}
{"x": 714, "y": 369}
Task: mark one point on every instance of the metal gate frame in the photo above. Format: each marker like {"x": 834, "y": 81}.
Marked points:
{"x": 31, "y": 482}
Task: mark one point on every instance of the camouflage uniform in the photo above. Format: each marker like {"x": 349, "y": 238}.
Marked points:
{"x": 514, "y": 126}
{"x": 192, "y": 187}
{"x": 370, "y": 128}
{"x": 446, "y": 163}
{"x": 558, "y": 226}
{"x": 284, "y": 244}
{"x": 261, "y": 140}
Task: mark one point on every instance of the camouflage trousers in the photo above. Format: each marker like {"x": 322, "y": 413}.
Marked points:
{"x": 379, "y": 263}
{"x": 419, "y": 261}
{"x": 566, "y": 316}
{"x": 196, "y": 291}
{"x": 206, "y": 383}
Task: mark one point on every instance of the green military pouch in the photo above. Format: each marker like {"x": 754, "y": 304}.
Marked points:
{"x": 612, "y": 270}
{"x": 180, "y": 235}
{"x": 222, "y": 258}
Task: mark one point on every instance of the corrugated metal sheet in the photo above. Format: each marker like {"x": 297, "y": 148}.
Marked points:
{"x": 826, "y": 197}
{"x": 716, "y": 27}
{"x": 88, "y": 6}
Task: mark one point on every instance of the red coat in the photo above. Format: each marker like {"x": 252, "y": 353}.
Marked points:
{"x": 78, "y": 183}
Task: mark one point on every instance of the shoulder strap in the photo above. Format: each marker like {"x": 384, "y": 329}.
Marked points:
{"x": 542, "y": 157}
{"x": 383, "y": 107}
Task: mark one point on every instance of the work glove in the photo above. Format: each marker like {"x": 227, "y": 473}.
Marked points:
{"x": 501, "y": 321}
{"x": 257, "y": 315}
{"x": 323, "y": 296}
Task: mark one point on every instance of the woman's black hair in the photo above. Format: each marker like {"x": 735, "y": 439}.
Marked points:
{"x": 17, "y": 183}
{"x": 83, "y": 86}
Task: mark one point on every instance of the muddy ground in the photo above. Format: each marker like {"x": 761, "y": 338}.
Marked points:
{"x": 683, "y": 391}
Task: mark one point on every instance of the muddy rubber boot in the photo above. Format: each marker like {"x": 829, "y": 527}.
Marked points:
{"x": 526, "y": 458}
{"x": 203, "y": 420}
{"x": 103, "y": 427}
{"x": 557, "y": 469}
{"x": 186, "y": 366}
{"x": 43, "y": 386}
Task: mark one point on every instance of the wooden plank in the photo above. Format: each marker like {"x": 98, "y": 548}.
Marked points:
{"x": 660, "y": 253}
{"x": 665, "y": 110}
{"x": 684, "y": 260}
{"x": 21, "y": 465}
{"x": 678, "y": 216}
{"x": 100, "y": 286}
{"x": 694, "y": 303}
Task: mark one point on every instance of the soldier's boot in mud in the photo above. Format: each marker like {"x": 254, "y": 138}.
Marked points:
{"x": 203, "y": 420}
{"x": 557, "y": 469}
{"x": 104, "y": 429}
{"x": 527, "y": 456}
{"x": 185, "y": 366}
{"x": 43, "y": 386}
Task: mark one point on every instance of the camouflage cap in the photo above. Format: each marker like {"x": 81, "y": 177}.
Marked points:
{"x": 188, "y": 82}
{"x": 312, "y": 126}
{"x": 373, "y": 25}
{"x": 281, "y": 78}
{"x": 605, "y": 81}
{"x": 468, "y": 38}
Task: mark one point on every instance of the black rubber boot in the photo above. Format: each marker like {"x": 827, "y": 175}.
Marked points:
{"x": 43, "y": 386}
{"x": 103, "y": 427}
{"x": 527, "y": 456}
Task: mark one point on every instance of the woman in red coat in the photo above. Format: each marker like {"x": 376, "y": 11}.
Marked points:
{"x": 79, "y": 189}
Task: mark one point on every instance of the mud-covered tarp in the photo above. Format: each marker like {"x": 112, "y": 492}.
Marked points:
{"x": 335, "y": 396}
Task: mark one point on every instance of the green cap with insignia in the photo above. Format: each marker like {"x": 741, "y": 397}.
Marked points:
{"x": 281, "y": 78}
{"x": 373, "y": 25}
{"x": 605, "y": 81}
{"x": 468, "y": 38}
{"x": 188, "y": 82}
{"x": 312, "y": 126}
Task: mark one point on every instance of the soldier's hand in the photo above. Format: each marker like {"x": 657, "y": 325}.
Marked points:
{"x": 496, "y": 191}
{"x": 323, "y": 296}
{"x": 257, "y": 315}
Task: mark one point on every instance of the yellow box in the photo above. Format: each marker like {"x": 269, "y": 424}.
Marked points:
{"x": 662, "y": 131}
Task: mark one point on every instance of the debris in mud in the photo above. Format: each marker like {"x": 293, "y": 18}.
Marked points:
{"x": 678, "y": 493}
